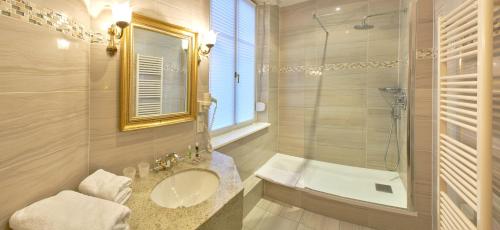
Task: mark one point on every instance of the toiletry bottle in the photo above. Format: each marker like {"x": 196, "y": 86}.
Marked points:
{"x": 190, "y": 153}
{"x": 197, "y": 149}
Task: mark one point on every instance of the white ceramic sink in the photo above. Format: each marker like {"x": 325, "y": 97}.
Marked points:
{"x": 185, "y": 189}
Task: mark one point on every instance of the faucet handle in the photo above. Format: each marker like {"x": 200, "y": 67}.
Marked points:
{"x": 173, "y": 157}
{"x": 178, "y": 158}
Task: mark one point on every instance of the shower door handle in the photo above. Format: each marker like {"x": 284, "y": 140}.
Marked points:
{"x": 237, "y": 77}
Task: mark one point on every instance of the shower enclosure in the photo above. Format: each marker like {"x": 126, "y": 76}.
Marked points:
{"x": 346, "y": 96}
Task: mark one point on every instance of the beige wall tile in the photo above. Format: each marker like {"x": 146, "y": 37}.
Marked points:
{"x": 384, "y": 78}
{"x": 332, "y": 81}
{"x": 387, "y": 48}
{"x": 291, "y": 97}
{"x": 103, "y": 69}
{"x": 425, "y": 38}
{"x": 375, "y": 98}
{"x": 342, "y": 137}
{"x": 424, "y": 74}
{"x": 44, "y": 93}
{"x": 337, "y": 97}
{"x": 336, "y": 116}
{"x": 45, "y": 69}
{"x": 423, "y": 104}
{"x": 291, "y": 114}
{"x": 423, "y": 135}
{"x": 44, "y": 135}
{"x": 291, "y": 145}
{"x": 338, "y": 154}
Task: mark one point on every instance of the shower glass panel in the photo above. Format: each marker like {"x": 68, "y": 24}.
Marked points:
{"x": 355, "y": 61}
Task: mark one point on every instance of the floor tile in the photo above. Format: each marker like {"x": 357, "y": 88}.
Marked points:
{"x": 253, "y": 218}
{"x": 350, "y": 226}
{"x": 274, "y": 215}
{"x": 311, "y": 219}
{"x": 319, "y": 222}
{"x": 329, "y": 224}
{"x": 264, "y": 204}
{"x": 275, "y": 222}
{"x": 303, "y": 227}
{"x": 285, "y": 210}
{"x": 292, "y": 213}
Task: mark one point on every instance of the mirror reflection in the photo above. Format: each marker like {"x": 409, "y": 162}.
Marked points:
{"x": 161, "y": 73}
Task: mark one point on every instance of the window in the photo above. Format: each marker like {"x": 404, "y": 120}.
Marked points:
{"x": 232, "y": 62}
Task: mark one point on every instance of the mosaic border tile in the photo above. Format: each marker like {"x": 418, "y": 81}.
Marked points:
{"x": 27, "y": 11}
{"x": 427, "y": 53}
{"x": 340, "y": 66}
{"x": 268, "y": 69}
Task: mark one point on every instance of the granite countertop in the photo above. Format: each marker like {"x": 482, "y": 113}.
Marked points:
{"x": 148, "y": 215}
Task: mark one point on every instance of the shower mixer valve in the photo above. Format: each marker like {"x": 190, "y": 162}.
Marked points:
{"x": 398, "y": 104}
{"x": 400, "y": 100}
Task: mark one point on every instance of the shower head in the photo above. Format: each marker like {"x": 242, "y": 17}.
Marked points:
{"x": 363, "y": 26}
{"x": 391, "y": 90}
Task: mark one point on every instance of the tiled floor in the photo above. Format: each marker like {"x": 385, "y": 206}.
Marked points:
{"x": 270, "y": 215}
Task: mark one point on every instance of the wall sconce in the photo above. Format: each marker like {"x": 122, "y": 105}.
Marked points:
{"x": 122, "y": 15}
{"x": 207, "y": 43}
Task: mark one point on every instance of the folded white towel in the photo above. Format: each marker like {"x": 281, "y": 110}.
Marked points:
{"x": 123, "y": 196}
{"x": 70, "y": 210}
{"x": 105, "y": 185}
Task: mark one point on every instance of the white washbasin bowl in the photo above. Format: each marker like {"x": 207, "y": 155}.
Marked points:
{"x": 185, "y": 189}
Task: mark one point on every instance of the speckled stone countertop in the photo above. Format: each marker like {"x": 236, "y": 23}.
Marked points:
{"x": 148, "y": 215}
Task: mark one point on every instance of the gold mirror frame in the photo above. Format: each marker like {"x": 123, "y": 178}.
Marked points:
{"x": 128, "y": 121}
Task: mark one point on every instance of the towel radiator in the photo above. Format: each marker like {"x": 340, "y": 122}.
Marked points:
{"x": 149, "y": 85}
{"x": 464, "y": 140}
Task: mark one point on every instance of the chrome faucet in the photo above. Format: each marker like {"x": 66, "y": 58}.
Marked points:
{"x": 174, "y": 158}
{"x": 167, "y": 162}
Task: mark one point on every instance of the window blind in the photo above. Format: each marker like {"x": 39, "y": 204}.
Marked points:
{"x": 245, "y": 88}
{"x": 232, "y": 61}
{"x": 222, "y": 67}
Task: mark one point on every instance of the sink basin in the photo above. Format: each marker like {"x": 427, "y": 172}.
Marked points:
{"x": 185, "y": 189}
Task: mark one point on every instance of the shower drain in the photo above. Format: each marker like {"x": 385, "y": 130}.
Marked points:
{"x": 383, "y": 188}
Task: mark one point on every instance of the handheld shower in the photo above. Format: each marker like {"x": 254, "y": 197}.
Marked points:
{"x": 397, "y": 105}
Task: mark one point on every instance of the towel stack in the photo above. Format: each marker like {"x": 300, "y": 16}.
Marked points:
{"x": 100, "y": 207}
{"x": 108, "y": 186}
{"x": 70, "y": 210}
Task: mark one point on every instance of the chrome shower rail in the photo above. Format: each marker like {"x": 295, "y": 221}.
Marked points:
{"x": 315, "y": 16}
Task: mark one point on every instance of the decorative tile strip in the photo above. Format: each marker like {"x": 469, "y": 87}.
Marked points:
{"x": 29, "y": 12}
{"x": 425, "y": 54}
{"x": 268, "y": 69}
{"x": 341, "y": 66}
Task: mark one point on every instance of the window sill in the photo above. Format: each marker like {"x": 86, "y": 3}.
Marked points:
{"x": 237, "y": 134}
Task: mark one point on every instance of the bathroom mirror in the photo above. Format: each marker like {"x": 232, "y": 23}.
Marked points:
{"x": 158, "y": 74}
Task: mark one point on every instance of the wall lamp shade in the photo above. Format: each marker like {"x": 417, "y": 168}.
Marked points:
{"x": 208, "y": 40}
{"x": 122, "y": 15}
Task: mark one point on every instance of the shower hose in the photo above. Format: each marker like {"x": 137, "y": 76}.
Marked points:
{"x": 394, "y": 126}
